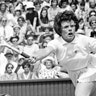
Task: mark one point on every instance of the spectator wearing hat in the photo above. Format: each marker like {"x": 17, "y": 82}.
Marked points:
{"x": 46, "y": 3}
{"x": 14, "y": 41}
{"x": 5, "y": 58}
{"x": 9, "y": 55}
{"x": 17, "y": 14}
{"x": 30, "y": 47}
{"x": 16, "y": 29}
{"x": 92, "y": 13}
{"x": 53, "y": 11}
{"x": 9, "y": 74}
{"x": 45, "y": 39}
{"x": 48, "y": 69}
{"x": 32, "y": 16}
{"x": 91, "y": 30}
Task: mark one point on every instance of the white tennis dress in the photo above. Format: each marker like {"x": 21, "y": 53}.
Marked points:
{"x": 75, "y": 57}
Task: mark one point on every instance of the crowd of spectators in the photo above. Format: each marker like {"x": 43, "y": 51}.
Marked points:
{"x": 28, "y": 25}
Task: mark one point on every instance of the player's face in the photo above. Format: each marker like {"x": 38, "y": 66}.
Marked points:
{"x": 68, "y": 30}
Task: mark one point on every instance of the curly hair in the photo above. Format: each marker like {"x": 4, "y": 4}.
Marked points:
{"x": 26, "y": 63}
{"x": 64, "y": 16}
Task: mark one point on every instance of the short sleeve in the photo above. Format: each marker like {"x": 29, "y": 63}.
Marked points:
{"x": 53, "y": 44}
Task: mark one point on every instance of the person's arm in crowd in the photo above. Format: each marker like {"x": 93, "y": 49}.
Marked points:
{"x": 34, "y": 24}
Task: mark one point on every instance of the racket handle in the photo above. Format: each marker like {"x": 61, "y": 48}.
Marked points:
{"x": 25, "y": 55}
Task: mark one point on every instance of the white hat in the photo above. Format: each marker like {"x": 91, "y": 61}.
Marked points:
{"x": 48, "y": 58}
{"x": 16, "y": 26}
{"x": 92, "y": 18}
{"x": 30, "y": 5}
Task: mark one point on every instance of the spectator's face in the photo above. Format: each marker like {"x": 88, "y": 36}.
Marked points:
{"x": 16, "y": 31}
{"x": 26, "y": 69}
{"x": 11, "y": 8}
{"x": 17, "y": 13}
{"x": 3, "y": 7}
{"x": 44, "y": 13}
{"x": 30, "y": 10}
{"x": 9, "y": 69}
{"x": 30, "y": 41}
{"x": 14, "y": 41}
{"x": 54, "y": 3}
{"x": 93, "y": 24}
{"x": 20, "y": 22}
{"x": 9, "y": 57}
{"x": 4, "y": 22}
{"x": 48, "y": 64}
{"x": 64, "y": 4}
{"x": 68, "y": 30}
{"x": 82, "y": 7}
{"x": 92, "y": 3}
{"x": 37, "y": 7}
{"x": 73, "y": 7}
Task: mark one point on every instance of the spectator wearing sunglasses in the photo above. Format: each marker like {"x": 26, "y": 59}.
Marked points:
{"x": 91, "y": 31}
{"x": 9, "y": 75}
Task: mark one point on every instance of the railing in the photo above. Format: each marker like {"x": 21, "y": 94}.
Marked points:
{"x": 49, "y": 87}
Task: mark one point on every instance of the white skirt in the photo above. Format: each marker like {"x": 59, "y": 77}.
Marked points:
{"x": 90, "y": 74}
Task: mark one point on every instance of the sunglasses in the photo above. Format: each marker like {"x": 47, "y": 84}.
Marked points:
{"x": 10, "y": 67}
{"x": 93, "y": 22}
{"x": 4, "y": 20}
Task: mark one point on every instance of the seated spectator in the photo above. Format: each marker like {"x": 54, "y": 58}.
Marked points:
{"x": 9, "y": 75}
{"x": 6, "y": 31}
{"x": 37, "y": 5}
{"x": 64, "y": 5}
{"x": 9, "y": 55}
{"x": 50, "y": 70}
{"x": 16, "y": 29}
{"x": 53, "y": 11}
{"x": 73, "y": 6}
{"x": 3, "y": 9}
{"x": 45, "y": 38}
{"x": 90, "y": 5}
{"x": 14, "y": 41}
{"x": 30, "y": 46}
{"x": 91, "y": 30}
{"x": 19, "y": 68}
{"x": 32, "y": 16}
{"x": 17, "y": 14}
{"x": 80, "y": 12}
{"x": 23, "y": 28}
{"x": 46, "y": 3}
{"x": 44, "y": 20}
{"x": 27, "y": 74}
{"x": 81, "y": 29}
